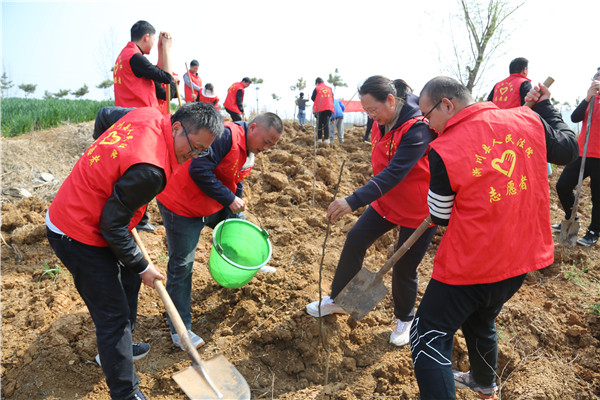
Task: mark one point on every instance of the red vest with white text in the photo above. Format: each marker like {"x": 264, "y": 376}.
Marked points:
{"x": 131, "y": 91}
{"x": 499, "y": 227}
{"x": 406, "y": 203}
{"x": 507, "y": 93}
{"x": 231, "y": 99}
{"x": 183, "y": 196}
{"x": 141, "y": 136}
{"x": 593, "y": 149}
{"x": 324, "y": 99}
{"x": 188, "y": 90}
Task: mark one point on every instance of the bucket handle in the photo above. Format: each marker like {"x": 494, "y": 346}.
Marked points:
{"x": 218, "y": 246}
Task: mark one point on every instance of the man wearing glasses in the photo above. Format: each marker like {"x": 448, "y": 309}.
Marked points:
{"x": 489, "y": 185}
{"x": 104, "y": 197}
{"x": 205, "y": 191}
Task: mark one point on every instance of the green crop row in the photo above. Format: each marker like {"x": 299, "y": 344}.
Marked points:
{"x": 24, "y": 115}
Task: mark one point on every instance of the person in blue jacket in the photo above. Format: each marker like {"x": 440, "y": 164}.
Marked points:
{"x": 336, "y": 123}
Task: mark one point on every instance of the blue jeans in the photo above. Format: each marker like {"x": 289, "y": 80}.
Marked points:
{"x": 183, "y": 234}
{"x": 110, "y": 292}
{"x": 301, "y": 117}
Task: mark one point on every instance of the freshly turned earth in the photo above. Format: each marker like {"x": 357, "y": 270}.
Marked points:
{"x": 549, "y": 337}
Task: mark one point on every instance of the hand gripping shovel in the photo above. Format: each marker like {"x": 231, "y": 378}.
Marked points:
{"x": 569, "y": 228}
{"x": 367, "y": 289}
{"x": 211, "y": 379}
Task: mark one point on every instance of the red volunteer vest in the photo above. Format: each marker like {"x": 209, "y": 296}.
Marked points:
{"x": 188, "y": 90}
{"x": 141, "y": 136}
{"x": 500, "y": 223}
{"x": 594, "y": 141}
{"x": 324, "y": 99}
{"x": 406, "y": 203}
{"x": 230, "y": 100}
{"x": 131, "y": 91}
{"x": 183, "y": 196}
{"x": 507, "y": 93}
{"x": 210, "y": 100}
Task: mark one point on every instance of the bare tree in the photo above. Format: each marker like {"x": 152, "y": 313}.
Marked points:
{"x": 484, "y": 22}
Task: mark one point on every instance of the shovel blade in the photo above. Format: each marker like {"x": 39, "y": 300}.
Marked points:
{"x": 569, "y": 229}
{"x": 227, "y": 379}
{"x": 361, "y": 294}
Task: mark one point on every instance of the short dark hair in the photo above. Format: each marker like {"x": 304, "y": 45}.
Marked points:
{"x": 196, "y": 116}
{"x": 140, "y": 28}
{"x": 268, "y": 120}
{"x": 444, "y": 86}
{"x": 209, "y": 86}
{"x": 246, "y": 79}
{"x": 380, "y": 87}
{"x": 301, "y": 94}
{"x": 517, "y": 65}
{"x": 318, "y": 80}
{"x": 194, "y": 62}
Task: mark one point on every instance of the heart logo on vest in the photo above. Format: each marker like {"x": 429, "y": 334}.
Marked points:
{"x": 506, "y": 163}
{"x": 111, "y": 138}
{"x": 503, "y": 90}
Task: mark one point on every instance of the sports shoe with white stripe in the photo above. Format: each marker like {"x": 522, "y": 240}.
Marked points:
{"x": 464, "y": 380}
{"x": 139, "y": 350}
{"x": 328, "y": 306}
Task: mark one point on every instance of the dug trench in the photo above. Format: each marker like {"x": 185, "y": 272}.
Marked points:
{"x": 549, "y": 335}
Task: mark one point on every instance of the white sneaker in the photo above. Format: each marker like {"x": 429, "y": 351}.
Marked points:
{"x": 400, "y": 335}
{"x": 197, "y": 341}
{"x": 328, "y": 306}
{"x": 267, "y": 269}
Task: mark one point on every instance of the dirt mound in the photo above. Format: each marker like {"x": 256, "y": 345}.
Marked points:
{"x": 548, "y": 335}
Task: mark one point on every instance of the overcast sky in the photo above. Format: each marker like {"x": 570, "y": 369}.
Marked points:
{"x": 64, "y": 45}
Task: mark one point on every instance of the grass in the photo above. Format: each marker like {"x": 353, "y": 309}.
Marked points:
{"x": 50, "y": 272}
{"x": 20, "y": 115}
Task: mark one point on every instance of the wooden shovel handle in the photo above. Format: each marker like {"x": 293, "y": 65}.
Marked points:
{"x": 548, "y": 82}
{"x": 404, "y": 248}
{"x": 171, "y": 309}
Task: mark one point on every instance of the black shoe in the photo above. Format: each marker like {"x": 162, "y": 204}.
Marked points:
{"x": 140, "y": 350}
{"x": 138, "y": 395}
{"x": 147, "y": 227}
{"x": 590, "y": 238}
{"x": 555, "y": 227}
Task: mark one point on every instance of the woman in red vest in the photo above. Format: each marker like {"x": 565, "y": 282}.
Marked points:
{"x": 397, "y": 194}
{"x": 322, "y": 98}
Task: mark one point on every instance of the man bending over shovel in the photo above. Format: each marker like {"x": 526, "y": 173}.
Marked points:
{"x": 104, "y": 197}
{"x": 490, "y": 186}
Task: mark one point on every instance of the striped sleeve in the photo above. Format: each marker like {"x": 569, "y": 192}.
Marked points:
{"x": 440, "y": 206}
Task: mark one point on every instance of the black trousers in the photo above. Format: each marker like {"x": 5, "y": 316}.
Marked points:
{"x": 110, "y": 293}
{"x": 567, "y": 184}
{"x": 234, "y": 116}
{"x": 323, "y": 124}
{"x": 445, "y": 308}
{"x": 369, "y": 227}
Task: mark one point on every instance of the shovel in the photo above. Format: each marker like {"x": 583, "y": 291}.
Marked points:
{"x": 569, "y": 228}
{"x": 367, "y": 289}
{"x": 211, "y": 379}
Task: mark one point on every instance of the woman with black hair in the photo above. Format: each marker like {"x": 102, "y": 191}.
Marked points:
{"x": 397, "y": 195}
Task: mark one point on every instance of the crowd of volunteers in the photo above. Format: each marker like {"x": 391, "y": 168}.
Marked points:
{"x": 481, "y": 169}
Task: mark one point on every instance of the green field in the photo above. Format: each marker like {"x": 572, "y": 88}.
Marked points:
{"x": 25, "y": 115}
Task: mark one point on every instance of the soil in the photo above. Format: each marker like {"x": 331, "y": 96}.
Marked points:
{"x": 549, "y": 335}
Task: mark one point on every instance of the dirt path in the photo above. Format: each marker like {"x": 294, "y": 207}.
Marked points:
{"x": 549, "y": 338}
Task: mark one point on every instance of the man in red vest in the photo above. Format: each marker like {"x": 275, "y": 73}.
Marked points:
{"x": 104, "y": 197}
{"x": 234, "y": 102}
{"x": 206, "y": 191}
{"x": 322, "y": 97}
{"x": 192, "y": 88}
{"x": 134, "y": 75}
{"x": 489, "y": 185}
{"x": 570, "y": 176}
{"x": 135, "y": 78}
{"x": 511, "y": 91}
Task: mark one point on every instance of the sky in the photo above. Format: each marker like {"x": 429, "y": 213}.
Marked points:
{"x": 64, "y": 45}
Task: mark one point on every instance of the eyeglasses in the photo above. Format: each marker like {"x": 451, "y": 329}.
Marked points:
{"x": 194, "y": 152}
{"x": 373, "y": 111}
{"x": 436, "y": 106}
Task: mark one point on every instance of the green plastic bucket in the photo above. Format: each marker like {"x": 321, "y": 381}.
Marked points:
{"x": 239, "y": 250}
